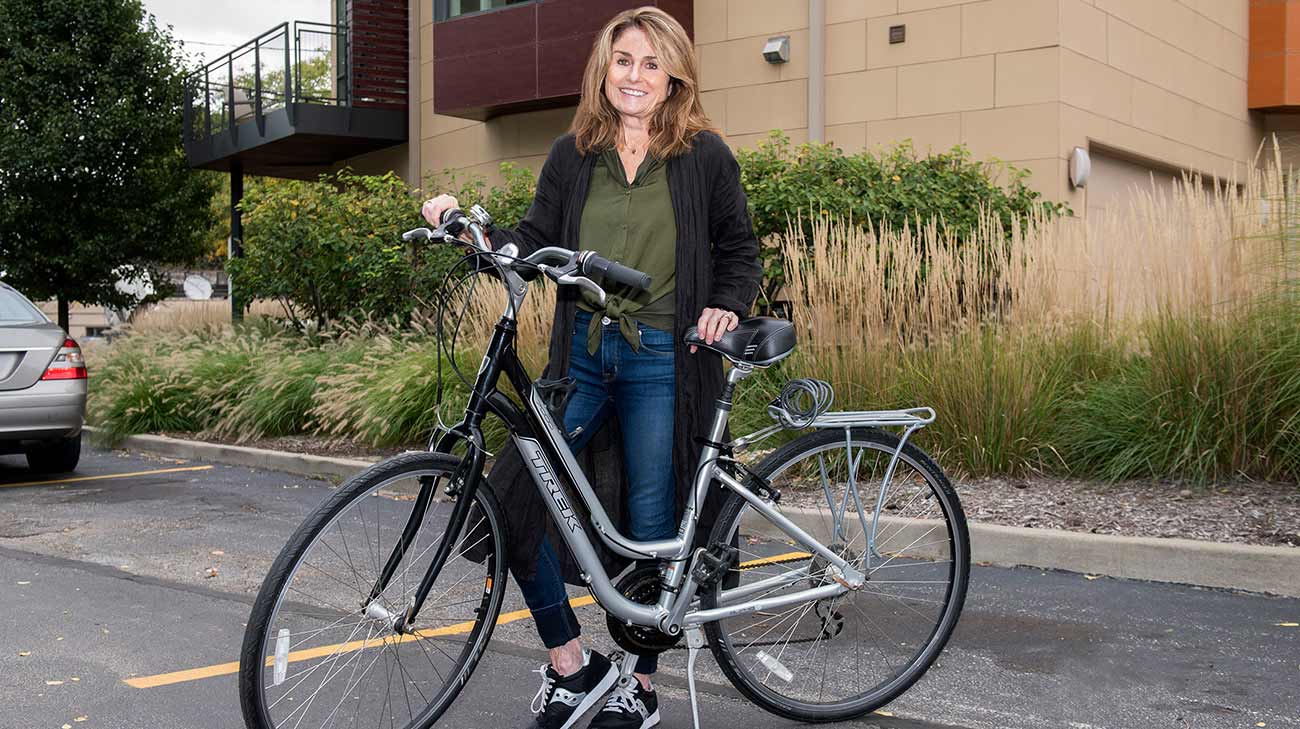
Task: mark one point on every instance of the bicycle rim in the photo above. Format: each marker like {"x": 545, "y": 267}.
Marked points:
{"x": 326, "y": 662}
{"x": 842, "y": 657}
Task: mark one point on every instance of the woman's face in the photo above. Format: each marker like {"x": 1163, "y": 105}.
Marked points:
{"x": 635, "y": 83}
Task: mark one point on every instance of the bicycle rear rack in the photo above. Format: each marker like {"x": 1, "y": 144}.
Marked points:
{"x": 817, "y": 417}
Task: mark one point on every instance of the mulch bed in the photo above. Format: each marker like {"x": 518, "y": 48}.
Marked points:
{"x": 1237, "y": 512}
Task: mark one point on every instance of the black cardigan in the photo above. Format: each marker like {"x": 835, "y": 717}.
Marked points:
{"x": 717, "y": 266}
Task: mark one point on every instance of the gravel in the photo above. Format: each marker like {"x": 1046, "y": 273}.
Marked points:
{"x": 1241, "y": 512}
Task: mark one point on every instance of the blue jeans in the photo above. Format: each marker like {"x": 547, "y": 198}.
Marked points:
{"x": 638, "y": 388}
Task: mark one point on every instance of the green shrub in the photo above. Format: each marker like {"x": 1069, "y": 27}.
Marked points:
{"x": 333, "y": 248}
{"x": 893, "y": 189}
{"x": 1212, "y": 397}
{"x": 507, "y": 202}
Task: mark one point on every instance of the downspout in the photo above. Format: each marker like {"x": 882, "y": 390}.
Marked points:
{"x": 817, "y": 70}
{"x": 413, "y": 101}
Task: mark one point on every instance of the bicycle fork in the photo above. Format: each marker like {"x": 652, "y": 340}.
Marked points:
{"x": 464, "y": 483}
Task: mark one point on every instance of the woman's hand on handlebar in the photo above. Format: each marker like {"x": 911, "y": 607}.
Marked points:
{"x": 713, "y": 324}
{"x": 434, "y": 208}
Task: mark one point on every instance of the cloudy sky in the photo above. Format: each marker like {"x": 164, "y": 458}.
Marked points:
{"x": 213, "y": 27}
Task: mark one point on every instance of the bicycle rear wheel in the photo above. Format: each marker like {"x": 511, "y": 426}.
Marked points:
{"x": 314, "y": 656}
{"x": 834, "y": 659}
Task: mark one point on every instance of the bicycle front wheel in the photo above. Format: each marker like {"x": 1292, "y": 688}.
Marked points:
{"x": 838, "y": 658}
{"x": 318, "y": 652}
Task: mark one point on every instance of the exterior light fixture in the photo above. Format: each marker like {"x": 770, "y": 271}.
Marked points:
{"x": 1080, "y": 167}
{"x": 777, "y": 49}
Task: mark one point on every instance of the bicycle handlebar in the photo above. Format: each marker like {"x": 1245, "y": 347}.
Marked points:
{"x": 453, "y": 222}
{"x": 595, "y": 264}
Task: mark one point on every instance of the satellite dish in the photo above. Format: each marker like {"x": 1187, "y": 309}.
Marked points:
{"x": 197, "y": 288}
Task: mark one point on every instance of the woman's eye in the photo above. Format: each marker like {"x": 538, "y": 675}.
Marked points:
{"x": 622, "y": 61}
{"x": 652, "y": 66}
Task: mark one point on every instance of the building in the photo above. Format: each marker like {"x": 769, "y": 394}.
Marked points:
{"x": 1142, "y": 86}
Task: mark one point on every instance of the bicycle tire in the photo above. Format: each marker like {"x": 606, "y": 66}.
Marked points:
{"x": 284, "y": 599}
{"x": 745, "y": 671}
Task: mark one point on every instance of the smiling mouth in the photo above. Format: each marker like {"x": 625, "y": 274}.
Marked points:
{"x": 633, "y": 93}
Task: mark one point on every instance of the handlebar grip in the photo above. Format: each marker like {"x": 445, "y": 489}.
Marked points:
{"x": 616, "y": 272}
{"x": 448, "y": 220}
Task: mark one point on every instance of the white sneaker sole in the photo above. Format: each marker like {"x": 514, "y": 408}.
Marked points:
{"x": 594, "y": 695}
{"x": 652, "y": 720}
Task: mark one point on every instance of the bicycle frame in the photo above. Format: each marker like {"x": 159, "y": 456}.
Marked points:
{"x": 555, "y": 470}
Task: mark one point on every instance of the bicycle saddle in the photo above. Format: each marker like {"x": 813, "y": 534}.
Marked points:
{"x": 760, "y": 341}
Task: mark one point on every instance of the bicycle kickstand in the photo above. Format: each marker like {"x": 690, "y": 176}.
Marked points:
{"x": 694, "y": 642}
{"x": 628, "y": 666}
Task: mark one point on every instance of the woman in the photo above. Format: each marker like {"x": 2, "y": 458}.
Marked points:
{"x": 642, "y": 179}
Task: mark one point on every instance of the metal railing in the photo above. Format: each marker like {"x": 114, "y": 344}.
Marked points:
{"x": 268, "y": 73}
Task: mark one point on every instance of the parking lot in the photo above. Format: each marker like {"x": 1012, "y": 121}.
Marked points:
{"x": 127, "y": 584}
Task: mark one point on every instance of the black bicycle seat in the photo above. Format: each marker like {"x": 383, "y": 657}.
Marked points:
{"x": 760, "y": 341}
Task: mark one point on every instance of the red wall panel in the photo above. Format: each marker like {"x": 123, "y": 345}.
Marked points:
{"x": 523, "y": 57}
{"x": 378, "y": 29}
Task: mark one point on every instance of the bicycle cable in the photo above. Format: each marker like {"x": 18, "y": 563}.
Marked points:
{"x": 801, "y": 402}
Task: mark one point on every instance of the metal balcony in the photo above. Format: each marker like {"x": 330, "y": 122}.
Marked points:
{"x": 285, "y": 104}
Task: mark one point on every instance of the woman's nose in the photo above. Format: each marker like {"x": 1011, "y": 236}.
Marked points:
{"x": 633, "y": 73}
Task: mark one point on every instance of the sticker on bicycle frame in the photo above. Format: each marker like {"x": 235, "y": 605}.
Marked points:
{"x": 541, "y": 470}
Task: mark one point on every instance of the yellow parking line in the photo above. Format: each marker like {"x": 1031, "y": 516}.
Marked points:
{"x": 776, "y": 558}
{"x": 225, "y": 669}
{"x": 100, "y": 478}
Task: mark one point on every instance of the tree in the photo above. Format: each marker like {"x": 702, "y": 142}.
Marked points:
{"x": 94, "y": 186}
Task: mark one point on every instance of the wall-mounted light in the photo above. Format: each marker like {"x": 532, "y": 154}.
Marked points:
{"x": 1080, "y": 167}
{"x": 777, "y": 49}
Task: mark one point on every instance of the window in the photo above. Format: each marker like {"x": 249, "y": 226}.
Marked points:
{"x": 13, "y": 307}
{"x": 447, "y": 9}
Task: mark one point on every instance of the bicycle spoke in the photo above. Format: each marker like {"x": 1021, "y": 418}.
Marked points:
{"x": 349, "y": 661}
{"x": 848, "y": 649}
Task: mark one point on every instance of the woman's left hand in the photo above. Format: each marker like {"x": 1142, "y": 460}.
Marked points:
{"x": 714, "y": 323}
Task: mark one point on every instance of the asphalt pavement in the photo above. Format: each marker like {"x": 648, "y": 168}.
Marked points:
{"x": 124, "y": 589}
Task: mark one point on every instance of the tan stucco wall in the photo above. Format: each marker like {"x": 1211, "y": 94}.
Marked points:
{"x": 1021, "y": 80}
{"x": 1161, "y": 79}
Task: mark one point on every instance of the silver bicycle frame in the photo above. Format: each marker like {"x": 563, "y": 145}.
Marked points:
{"x": 673, "y": 611}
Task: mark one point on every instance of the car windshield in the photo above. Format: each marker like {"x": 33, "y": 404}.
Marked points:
{"x": 14, "y": 308}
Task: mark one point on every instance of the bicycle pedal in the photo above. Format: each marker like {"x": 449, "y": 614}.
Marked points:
{"x": 713, "y": 563}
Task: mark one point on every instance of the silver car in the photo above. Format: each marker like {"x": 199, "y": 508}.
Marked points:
{"x": 42, "y": 387}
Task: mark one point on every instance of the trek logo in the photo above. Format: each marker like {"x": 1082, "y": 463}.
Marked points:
{"x": 544, "y": 478}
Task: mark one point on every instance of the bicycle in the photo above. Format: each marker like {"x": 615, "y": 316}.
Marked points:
{"x": 804, "y": 607}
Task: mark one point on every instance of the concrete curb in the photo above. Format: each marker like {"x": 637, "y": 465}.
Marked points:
{"x": 296, "y": 463}
{"x": 1274, "y": 570}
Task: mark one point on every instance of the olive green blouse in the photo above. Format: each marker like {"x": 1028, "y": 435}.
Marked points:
{"x": 633, "y": 224}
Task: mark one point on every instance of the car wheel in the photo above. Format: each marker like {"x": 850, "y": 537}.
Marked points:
{"x": 58, "y": 456}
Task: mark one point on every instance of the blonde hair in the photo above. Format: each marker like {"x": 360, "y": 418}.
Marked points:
{"x": 678, "y": 118}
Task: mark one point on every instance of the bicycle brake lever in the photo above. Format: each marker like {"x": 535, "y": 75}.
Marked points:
{"x": 569, "y": 279}
{"x": 424, "y": 233}
{"x": 583, "y": 282}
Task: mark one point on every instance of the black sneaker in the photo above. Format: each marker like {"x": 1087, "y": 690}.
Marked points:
{"x": 561, "y": 701}
{"x": 629, "y": 707}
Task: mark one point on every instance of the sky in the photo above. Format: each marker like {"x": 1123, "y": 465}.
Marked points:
{"x": 211, "y": 28}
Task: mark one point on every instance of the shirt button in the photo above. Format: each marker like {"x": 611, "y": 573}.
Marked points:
{"x": 605, "y": 320}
